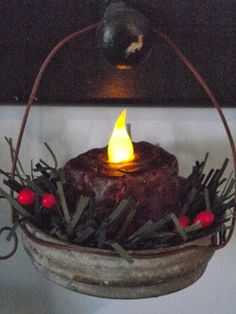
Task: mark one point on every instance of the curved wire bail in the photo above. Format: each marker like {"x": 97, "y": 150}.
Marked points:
{"x": 12, "y": 236}
{"x": 33, "y": 94}
{"x": 223, "y": 238}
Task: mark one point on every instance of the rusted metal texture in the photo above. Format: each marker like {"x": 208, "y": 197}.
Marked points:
{"x": 102, "y": 273}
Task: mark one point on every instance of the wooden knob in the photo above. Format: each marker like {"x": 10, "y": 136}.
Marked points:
{"x": 124, "y": 37}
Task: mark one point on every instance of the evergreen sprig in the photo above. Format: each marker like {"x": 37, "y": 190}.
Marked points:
{"x": 80, "y": 225}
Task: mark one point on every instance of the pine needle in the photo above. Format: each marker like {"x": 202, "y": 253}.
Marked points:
{"x": 123, "y": 253}
{"x": 63, "y": 203}
{"x": 52, "y": 154}
{"x": 82, "y": 204}
{"x": 15, "y": 204}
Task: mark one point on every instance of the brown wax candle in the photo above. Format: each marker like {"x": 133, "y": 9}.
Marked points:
{"x": 151, "y": 181}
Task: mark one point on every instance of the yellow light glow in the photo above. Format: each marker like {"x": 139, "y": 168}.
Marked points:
{"x": 120, "y": 147}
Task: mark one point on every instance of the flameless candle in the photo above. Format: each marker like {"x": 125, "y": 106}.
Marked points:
{"x": 141, "y": 171}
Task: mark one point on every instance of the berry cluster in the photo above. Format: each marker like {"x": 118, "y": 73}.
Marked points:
{"x": 206, "y": 218}
{"x": 26, "y": 197}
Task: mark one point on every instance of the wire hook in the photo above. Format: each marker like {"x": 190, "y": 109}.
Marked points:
{"x": 11, "y": 235}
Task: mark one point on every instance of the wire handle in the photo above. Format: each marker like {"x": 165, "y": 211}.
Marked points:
{"x": 222, "y": 239}
{"x": 11, "y": 235}
{"x": 32, "y": 97}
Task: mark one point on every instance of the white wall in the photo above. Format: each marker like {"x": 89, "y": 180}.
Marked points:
{"x": 188, "y": 133}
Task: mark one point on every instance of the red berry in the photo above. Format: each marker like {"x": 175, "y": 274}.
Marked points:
{"x": 48, "y": 200}
{"x": 26, "y": 197}
{"x": 183, "y": 221}
{"x": 206, "y": 218}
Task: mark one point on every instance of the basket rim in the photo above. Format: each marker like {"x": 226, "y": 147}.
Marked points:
{"x": 40, "y": 237}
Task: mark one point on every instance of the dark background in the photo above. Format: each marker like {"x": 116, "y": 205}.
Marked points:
{"x": 203, "y": 29}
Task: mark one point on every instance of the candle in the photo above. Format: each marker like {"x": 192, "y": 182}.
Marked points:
{"x": 143, "y": 172}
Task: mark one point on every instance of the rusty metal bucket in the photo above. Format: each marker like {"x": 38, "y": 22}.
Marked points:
{"x": 102, "y": 273}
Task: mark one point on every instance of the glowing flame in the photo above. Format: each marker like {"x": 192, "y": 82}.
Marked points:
{"x": 120, "y": 147}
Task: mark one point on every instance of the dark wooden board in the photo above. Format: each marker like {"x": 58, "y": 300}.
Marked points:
{"x": 204, "y": 29}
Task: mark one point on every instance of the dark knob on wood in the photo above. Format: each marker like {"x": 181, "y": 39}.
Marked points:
{"x": 124, "y": 36}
